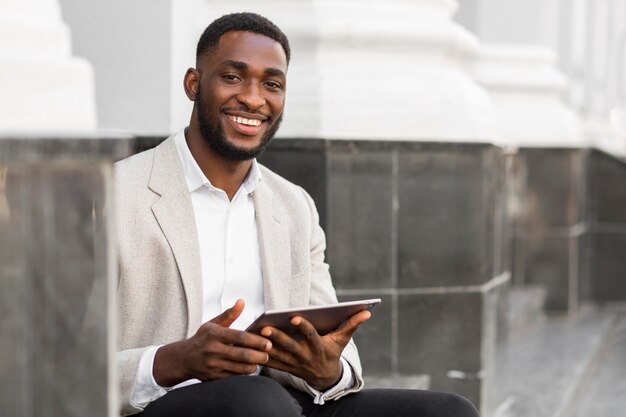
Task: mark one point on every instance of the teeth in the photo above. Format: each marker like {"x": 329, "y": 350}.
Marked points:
{"x": 244, "y": 121}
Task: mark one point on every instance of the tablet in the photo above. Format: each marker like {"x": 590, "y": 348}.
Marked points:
{"x": 325, "y": 318}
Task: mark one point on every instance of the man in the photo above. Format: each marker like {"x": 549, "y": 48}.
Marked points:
{"x": 209, "y": 239}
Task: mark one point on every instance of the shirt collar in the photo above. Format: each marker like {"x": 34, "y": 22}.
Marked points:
{"x": 194, "y": 176}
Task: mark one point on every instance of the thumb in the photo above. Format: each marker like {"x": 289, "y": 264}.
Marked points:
{"x": 230, "y": 314}
{"x": 344, "y": 333}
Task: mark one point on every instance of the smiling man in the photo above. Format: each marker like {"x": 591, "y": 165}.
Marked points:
{"x": 209, "y": 239}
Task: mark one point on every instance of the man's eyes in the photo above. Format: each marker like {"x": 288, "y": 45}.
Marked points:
{"x": 273, "y": 85}
{"x": 235, "y": 78}
{"x": 231, "y": 78}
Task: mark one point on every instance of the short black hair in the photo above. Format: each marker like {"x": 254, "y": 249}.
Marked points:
{"x": 247, "y": 22}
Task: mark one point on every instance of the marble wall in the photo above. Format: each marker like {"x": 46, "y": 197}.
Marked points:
{"x": 570, "y": 234}
{"x": 603, "y": 262}
{"x": 548, "y": 231}
{"x": 420, "y": 225}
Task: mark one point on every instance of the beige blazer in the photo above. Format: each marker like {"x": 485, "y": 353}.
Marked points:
{"x": 160, "y": 282}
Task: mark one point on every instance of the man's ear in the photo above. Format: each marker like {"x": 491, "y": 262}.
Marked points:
{"x": 191, "y": 83}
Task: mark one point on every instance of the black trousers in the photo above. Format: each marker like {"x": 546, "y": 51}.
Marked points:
{"x": 259, "y": 396}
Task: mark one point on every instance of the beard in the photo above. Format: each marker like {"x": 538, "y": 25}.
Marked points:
{"x": 213, "y": 135}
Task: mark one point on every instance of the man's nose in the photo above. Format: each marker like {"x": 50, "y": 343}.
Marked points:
{"x": 251, "y": 96}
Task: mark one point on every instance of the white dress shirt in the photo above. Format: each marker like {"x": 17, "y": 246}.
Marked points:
{"x": 231, "y": 265}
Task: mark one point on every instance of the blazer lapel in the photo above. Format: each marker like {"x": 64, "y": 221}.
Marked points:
{"x": 174, "y": 213}
{"x": 274, "y": 247}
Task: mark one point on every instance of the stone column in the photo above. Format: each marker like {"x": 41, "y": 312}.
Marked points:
{"x": 44, "y": 88}
{"x": 589, "y": 37}
{"x": 377, "y": 70}
{"x": 526, "y": 89}
{"x": 544, "y": 140}
{"x": 130, "y": 45}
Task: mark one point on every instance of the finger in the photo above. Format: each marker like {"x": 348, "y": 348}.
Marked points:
{"x": 281, "y": 366}
{"x": 218, "y": 365}
{"x": 283, "y": 357}
{"x": 244, "y": 355}
{"x": 281, "y": 340}
{"x": 309, "y": 332}
{"x": 230, "y": 314}
{"x": 240, "y": 338}
{"x": 344, "y": 333}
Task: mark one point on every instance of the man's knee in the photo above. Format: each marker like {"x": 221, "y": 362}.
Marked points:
{"x": 260, "y": 396}
{"x": 458, "y": 406}
{"x": 229, "y": 397}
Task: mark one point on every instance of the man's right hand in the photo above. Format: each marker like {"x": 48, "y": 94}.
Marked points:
{"x": 214, "y": 352}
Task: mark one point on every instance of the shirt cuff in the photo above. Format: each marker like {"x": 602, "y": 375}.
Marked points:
{"x": 146, "y": 389}
{"x": 346, "y": 381}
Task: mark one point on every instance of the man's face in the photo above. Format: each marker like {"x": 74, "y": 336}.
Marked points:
{"x": 241, "y": 94}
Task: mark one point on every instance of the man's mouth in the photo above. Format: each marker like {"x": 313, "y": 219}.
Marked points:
{"x": 246, "y": 126}
{"x": 244, "y": 121}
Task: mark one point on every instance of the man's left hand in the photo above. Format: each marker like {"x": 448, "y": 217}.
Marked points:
{"x": 316, "y": 359}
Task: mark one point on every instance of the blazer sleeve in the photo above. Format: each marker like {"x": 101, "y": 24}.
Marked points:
{"x": 127, "y": 364}
{"x": 322, "y": 292}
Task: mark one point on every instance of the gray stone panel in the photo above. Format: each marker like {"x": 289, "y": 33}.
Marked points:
{"x": 607, "y": 189}
{"x": 53, "y": 289}
{"x": 448, "y": 336}
{"x": 445, "y": 219}
{"x": 374, "y": 337}
{"x": 548, "y": 264}
{"x": 517, "y": 219}
{"x": 307, "y": 169}
{"x": 608, "y": 266}
{"x": 584, "y": 267}
{"x": 500, "y": 178}
{"x": 87, "y": 148}
{"x": 553, "y": 187}
{"x": 360, "y": 187}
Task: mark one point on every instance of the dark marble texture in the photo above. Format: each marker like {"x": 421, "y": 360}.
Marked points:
{"x": 360, "y": 219}
{"x": 607, "y": 189}
{"x": 608, "y": 266}
{"x": 424, "y": 214}
{"x": 451, "y": 337}
{"x": 309, "y": 169}
{"x": 443, "y": 231}
{"x": 64, "y": 148}
{"x": 425, "y": 225}
{"x": 549, "y": 222}
{"x": 554, "y": 178}
{"x": 374, "y": 338}
{"x": 548, "y": 264}
{"x": 431, "y": 321}
{"x": 603, "y": 262}
{"x": 54, "y": 275}
{"x": 517, "y": 217}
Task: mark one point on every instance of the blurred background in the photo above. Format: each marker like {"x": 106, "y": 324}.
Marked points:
{"x": 468, "y": 160}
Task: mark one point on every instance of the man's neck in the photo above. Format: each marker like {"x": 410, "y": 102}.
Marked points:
{"x": 225, "y": 174}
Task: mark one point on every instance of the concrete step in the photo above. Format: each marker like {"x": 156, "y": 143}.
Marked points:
{"x": 606, "y": 396}
{"x": 544, "y": 371}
